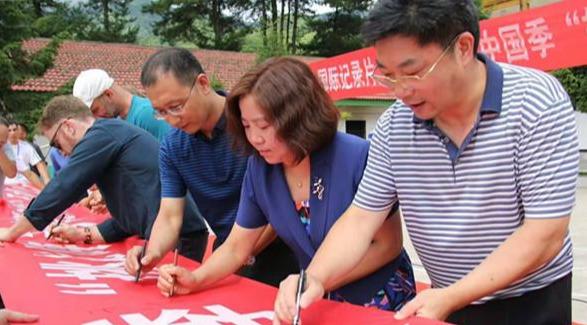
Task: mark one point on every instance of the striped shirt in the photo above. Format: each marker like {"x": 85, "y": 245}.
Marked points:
{"x": 460, "y": 203}
{"x": 209, "y": 169}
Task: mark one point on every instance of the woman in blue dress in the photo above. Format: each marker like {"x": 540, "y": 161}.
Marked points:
{"x": 302, "y": 175}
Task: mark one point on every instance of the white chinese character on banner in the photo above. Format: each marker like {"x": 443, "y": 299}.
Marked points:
{"x": 572, "y": 18}
{"x": 539, "y": 36}
{"x": 221, "y": 316}
{"x": 357, "y": 74}
{"x": 489, "y": 45}
{"x": 345, "y": 74}
{"x": 86, "y": 289}
{"x": 513, "y": 40}
{"x": 323, "y": 76}
{"x": 91, "y": 272}
{"x": 369, "y": 68}
{"x": 69, "y": 250}
{"x": 333, "y": 79}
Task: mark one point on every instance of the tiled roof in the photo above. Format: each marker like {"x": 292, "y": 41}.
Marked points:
{"x": 123, "y": 62}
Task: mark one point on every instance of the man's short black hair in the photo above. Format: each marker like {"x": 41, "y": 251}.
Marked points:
{"x": 428, "y": 21}
{"x": 23, "y": 126}
{"x": 181, "y": 63}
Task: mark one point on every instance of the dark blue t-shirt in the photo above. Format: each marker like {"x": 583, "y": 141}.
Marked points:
{"x": 209, "y": 169}
{"x": 122, "y": 160}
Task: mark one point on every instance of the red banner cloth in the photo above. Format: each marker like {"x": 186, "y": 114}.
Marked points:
{"x": 71, "y": 284}
{"x": 546, "y": 38}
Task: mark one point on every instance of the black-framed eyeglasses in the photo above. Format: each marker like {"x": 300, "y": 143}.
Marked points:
{"x": 177, "y": 110}
{"x": 52, "y": 143}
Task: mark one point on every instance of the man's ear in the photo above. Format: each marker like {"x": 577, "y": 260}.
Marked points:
{"x": 203, "y": 84}
{"x": 465, "y": 46}
{"x": 108, "y": 93}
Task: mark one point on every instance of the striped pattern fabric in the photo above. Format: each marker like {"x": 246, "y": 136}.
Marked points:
{"x": 208, "y": 168}
{"x": 520, "y": 161}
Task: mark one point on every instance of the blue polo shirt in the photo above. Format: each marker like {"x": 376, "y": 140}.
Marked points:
{"x": 141, "y": 114}
{"x": 459, "y": 203}
{"x": 209, "y": 169}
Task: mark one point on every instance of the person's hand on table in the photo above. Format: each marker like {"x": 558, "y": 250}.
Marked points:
{"x": 5, "y": 235}
{"x": 96, "y": 202}
{"x": 67, "y": 234}
{"x": 285, "y": 302}
{"x": 430, "y": 303}
{"x": 8, "y": 316}
{"x": 170, "y": 275}
{"x": 98, "y": 208}
{"x": 149, "y": 260}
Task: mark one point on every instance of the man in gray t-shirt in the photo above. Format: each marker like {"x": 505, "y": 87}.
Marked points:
{"x": 7, "y": 164}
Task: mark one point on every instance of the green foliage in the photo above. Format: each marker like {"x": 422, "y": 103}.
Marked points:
{"x": 273, "y": 48}
{"x": 336, "y": 33}
{"x": 111, "y": 22}
{"x": 216, "y": 84}
{"x": 575, "y": 82}
{"x": 27, "y": 106}
{"x": 15, "y": 21}
{"x": 206, "y": 24}
{"x": 16, "y": 65}
{"x": 74, "y": 22}
{"x": 483, "y": 14}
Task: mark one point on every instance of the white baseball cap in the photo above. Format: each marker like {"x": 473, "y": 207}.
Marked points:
{"x": 90, "y": 84}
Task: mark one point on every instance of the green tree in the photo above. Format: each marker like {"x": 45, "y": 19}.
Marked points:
{"x": 111, "y": 22}
{"x": 575, "y": 82}
{"x": 338, "y": 31}
{"x": 17, "y": 65}
{"x": 483, "y": 14}
{"x": 61, "y": 18}
{"x": 206, "y": 24}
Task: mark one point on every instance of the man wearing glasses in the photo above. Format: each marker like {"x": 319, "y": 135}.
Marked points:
{"x": 197, "y": 157}
{"x": 121, "y": 160}
{"x": 483, "y": 160}
{"x": 107, "y": 99}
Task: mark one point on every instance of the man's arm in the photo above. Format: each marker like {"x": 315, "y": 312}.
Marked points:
{"x": 8, "y": 316}
{"x": 33, "y": 179}
{"x": 534, "y": 244}
{"x": 67, "y": 234}
{"x": 345, "y": 245}
{"x": 164, "y": 236}
{"x": 89, "y": 160}
{"x": 42, "y": 168}
{"x": 7, "y": 165}
{"x": 20, "y": 227}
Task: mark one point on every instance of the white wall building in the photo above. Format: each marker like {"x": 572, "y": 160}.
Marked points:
{"x": 359, "y": 116}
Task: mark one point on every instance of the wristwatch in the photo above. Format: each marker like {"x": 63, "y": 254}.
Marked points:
{"x": 87, "y": 235}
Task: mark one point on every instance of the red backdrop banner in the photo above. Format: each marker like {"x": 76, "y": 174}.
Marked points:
{"x": 546, "y": 38}
{"x": 71, "y": 284}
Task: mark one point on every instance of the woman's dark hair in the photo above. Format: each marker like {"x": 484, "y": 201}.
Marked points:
{"x": 293, "y": 101}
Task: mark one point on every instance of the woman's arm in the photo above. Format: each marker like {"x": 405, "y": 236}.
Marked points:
{"x": 225, "y": 260}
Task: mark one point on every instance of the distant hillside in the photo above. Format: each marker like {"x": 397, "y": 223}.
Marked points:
{"x": 144, "y": 21}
